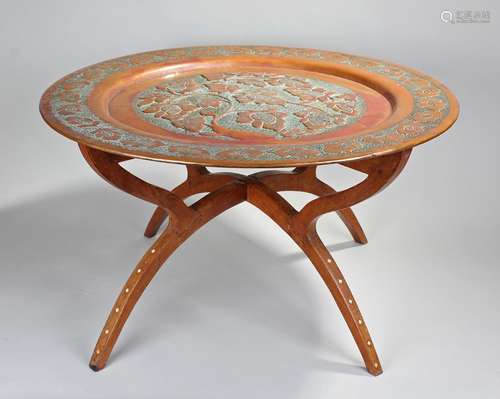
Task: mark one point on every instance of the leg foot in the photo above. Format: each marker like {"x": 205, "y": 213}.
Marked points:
{"x": 155, "y": 222}
{"x": 94, "y": 367}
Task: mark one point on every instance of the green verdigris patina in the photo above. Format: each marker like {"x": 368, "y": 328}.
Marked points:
{"x": 65, "y": 104}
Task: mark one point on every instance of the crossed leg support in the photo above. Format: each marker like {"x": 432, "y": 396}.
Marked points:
{"x": 226, "y": 190}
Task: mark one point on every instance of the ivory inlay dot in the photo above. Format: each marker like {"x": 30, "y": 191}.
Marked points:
{"x": 106, "y": 332}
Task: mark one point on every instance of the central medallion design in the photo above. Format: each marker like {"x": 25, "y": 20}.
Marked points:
{"x": 249, "y": 105}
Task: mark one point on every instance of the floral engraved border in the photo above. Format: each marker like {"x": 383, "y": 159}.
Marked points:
{"x": 68, "y": 105}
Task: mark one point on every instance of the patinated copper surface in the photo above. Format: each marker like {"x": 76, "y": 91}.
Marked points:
{"x": 248, "y": 106}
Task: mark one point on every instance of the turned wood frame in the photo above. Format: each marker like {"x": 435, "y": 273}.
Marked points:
{"x": 225, "y": 190}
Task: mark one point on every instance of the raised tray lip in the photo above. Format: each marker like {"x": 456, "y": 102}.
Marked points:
{"x": 290, "y": 53}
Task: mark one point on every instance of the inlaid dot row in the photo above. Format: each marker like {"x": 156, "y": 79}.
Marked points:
{"x": 360, "y": 321}
{"x": 117, "y": 309}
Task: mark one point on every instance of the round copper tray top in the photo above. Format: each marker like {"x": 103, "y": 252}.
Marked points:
{"x": 248, "y": 106}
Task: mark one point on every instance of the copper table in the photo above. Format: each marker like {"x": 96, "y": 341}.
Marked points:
{"x": 247, "y": 106}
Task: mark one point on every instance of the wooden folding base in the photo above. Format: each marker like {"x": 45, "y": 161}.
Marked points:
{"x": 226, "y": 190}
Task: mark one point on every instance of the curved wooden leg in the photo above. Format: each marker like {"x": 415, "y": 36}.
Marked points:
{"x": 139, "y": 279}
{"x": 157, "y": 219}
{"x": 183, "y": 190}
{"x": 305, "y": 179}
{"x": 177, "y": 232}
{"x": 199, "y": 180}
{"x": 183, "y": 222}
{"x": 301, "y": 227}
{"x": 351, "y": 222}
{"x": 319, "y": 256}
{"x": 308, "y": 240}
